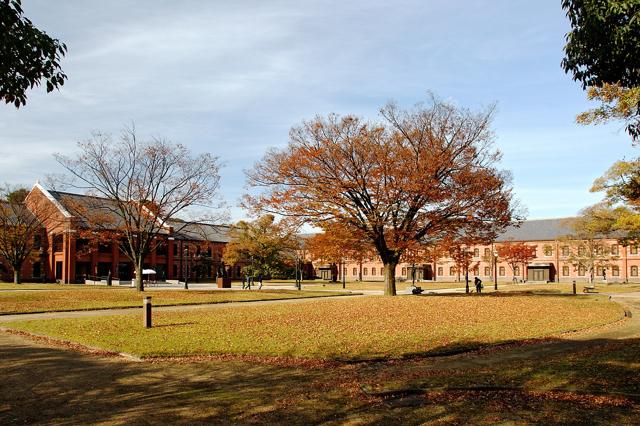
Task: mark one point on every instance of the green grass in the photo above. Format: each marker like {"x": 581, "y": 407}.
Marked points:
{"x": 354, "y": 329}
{"x": 87, "y": 298}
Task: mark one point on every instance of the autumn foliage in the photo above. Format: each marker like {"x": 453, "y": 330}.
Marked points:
{"x": 516, "y": 253}
{"x": 414, "y": 175}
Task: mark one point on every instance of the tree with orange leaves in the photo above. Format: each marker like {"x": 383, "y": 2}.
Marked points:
{"x": 337, "y": 244}
{"x": 416, "y": 175}
{"x": 21, "y": 227}
{"x": 462, "y": 258}
{"x": 516, "y": 253}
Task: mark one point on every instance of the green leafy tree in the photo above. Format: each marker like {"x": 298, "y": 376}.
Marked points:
{"x": 603, "y": 54}
{"x": 27, "y": 55}
{"x": 263, "y": 245}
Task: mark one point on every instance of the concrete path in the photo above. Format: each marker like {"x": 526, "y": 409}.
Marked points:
{"x": 180, "y": 308}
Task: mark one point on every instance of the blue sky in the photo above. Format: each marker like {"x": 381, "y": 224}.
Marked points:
{"x": 232, "y": 77}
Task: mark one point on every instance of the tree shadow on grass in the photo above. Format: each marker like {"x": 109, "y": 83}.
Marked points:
{"x": 49, "y": 385}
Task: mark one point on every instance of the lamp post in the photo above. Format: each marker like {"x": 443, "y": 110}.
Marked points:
{"x": 465, "y": 259}
{"x": 344, "y": 274}
{"x": 495, "y": 270}
{"x": 186, "y": 268}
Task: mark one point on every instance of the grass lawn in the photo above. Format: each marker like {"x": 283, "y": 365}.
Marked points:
{"x": 566, "y": 288}
{"x": 354, "y": 329}
{"x": 86, "y": 298}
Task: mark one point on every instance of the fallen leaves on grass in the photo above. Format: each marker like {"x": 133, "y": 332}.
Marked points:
{"x": 343, "y": 330}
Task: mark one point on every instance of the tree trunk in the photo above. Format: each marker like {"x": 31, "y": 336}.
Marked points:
{"x": 390, "y": 277}
{"x": 139, "y": 282}
{"x": 16, "y": 276}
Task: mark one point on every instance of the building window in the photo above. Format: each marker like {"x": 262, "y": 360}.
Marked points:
{"x": 476, "y": 252}
{"x": 516, "y": 271}
{"x": 581, "y": 271}
{"x": 373, "y": 272}
{"x": 104, "y": 247}
{"x": 476, "y": 270}
{"x": 565, "y": 250}
{"x": 175, "y": 249}
{"x": 452, "y": 270}
{"x": 487, "y": 252}
{"x": 501, "y": 271}
{"x": 37, "y": 241}
{"x": 599, "y": 251}
{"x": 634, "y": 271}
{"x": 355, "y": 272}
{"x": 634, "y": 249}
{"x": 175, "y": 271}
{"x": 599, "y": 271}
{"x": 57, "y": 243}
{"x": 615, "y": 270}
{"x": 487, "y": 271}
{"x": 565, "y": 271}
{"x": 614, "y": 249}
{"x": 440, "y": 271}
{"x": 365, "y": 271}
{"x": 548, "y": 251}
{"x": 581, "y": 251}
{"x": 37, "y": 270}
{"x": 404, "y": 271}
{"x": 161, "y": 249}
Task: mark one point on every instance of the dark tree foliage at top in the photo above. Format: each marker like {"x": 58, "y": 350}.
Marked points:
{"x": 604, "y": 43}
{"x": 27, "y": 55}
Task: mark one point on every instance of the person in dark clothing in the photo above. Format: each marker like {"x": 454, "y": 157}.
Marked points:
{"x": 478, "y": 283}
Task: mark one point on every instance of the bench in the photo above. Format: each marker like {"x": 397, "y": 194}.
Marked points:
{"x": 589, "y": 289}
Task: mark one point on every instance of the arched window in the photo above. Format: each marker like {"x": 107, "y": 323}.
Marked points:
{"x": 565, "y": 271}
{"x": 634, "y": 271}
{"x": 365, "y": 271}
{"x": 501, "y": 271}
{"x": 373, "y": 272}
{"x": 487, "y": 271}
{"x": 516, "y": 271}
{"x": 355, "y": 272}
{"x": 452, "y": 270}
{"x": 404, "y": 271}
{"x": 476, "y": 252}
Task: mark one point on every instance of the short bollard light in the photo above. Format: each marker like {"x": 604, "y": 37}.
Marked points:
{"x": 574, "y": 286}
{"x": 146, "y": 313}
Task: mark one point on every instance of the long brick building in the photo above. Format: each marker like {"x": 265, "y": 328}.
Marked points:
{"x": 61, "y": 254}
{"x": 551, "y": 263}
{"x": 195, "y": 250}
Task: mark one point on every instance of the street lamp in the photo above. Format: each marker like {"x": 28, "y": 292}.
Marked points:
{"x": 186, "y": 268}
{"x": 344, "y": 274}
{"x": 465, "y": 259}
{"x": 495, "y": 270}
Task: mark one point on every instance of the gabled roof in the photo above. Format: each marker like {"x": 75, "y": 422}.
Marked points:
{"x": 77, "y": 205}
{"x": 74, "y": 205}
{"x": 199, "y": 231}
{"x": 538, "y": 230}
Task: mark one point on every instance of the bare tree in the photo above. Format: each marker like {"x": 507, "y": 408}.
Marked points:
{"x": 141, "y": 187}
{"x": 21, "y": 227}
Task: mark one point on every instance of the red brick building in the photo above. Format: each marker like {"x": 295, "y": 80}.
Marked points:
{"x": 551, "y": 264}
{"x": 193, "y": 249}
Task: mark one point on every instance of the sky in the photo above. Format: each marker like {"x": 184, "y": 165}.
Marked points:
{"x": 232, "y": 77}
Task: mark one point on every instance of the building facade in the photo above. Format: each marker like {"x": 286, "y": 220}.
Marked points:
{"x": 182, "y": 250}
{"x": 552, "y": 262}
